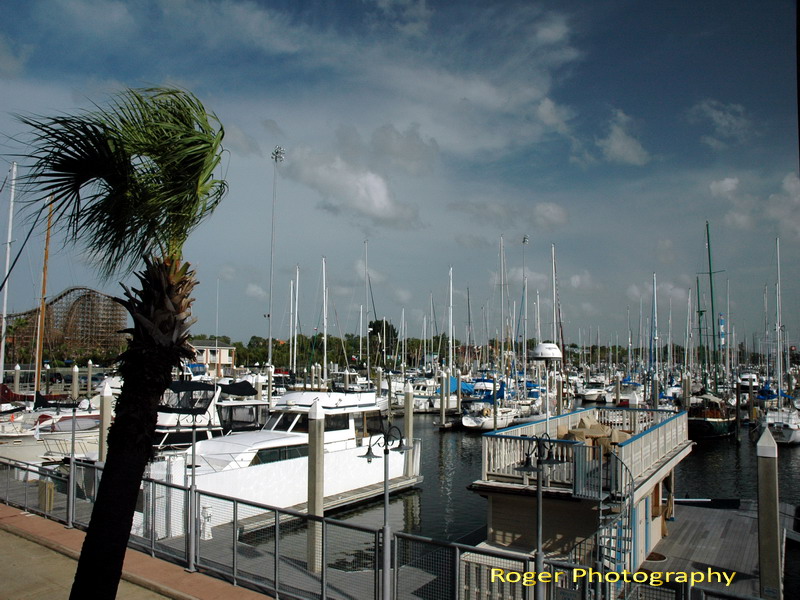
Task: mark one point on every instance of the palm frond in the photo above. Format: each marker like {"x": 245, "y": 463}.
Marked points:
{"x": 132, "y": 179}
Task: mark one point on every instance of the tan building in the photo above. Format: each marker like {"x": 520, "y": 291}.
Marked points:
{"x": 219, "y": 359}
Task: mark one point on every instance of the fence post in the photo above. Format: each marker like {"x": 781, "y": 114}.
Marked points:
{"x": 456, "y": 574}
{"x": 325, "y": 559}
{"x": 152, "y": 496}
{"x": 190, "y": 523}
{"x": 277, "y": 550}
{"x": 377, "y": 577}
{"x": 235, "y": 565}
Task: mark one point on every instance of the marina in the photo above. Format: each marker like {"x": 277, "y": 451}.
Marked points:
{"x": 548, "y": 380}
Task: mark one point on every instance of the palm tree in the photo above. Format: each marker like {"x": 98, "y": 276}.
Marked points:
{"x": 129, "y": 183}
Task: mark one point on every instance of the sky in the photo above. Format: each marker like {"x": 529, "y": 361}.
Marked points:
{"x": 421, "y": 136}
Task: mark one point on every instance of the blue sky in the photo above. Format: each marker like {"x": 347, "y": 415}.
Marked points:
{"x": 613, "y": 130}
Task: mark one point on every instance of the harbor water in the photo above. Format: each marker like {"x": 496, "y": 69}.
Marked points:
{"x": 443, "y": 508}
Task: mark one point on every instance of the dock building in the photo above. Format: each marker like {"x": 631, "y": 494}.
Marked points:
{"x": 607, "y": 479}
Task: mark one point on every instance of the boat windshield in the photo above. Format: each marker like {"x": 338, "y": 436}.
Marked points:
{"x": 281, "y": 422}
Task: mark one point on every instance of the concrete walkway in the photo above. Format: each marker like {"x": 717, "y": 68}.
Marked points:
{"x": 38, "y": 558}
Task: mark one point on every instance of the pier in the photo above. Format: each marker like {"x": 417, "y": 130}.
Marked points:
{"x": 717, "y": 535}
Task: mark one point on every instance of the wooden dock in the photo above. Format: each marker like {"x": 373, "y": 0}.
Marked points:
{"x": 705, "y": 535}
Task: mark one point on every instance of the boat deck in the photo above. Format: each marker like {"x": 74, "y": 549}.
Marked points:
{"x": 722, "y": 539}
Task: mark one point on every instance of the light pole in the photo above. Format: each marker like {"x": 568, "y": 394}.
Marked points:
{"x": 389, "y": 435}
{"x": 277, "y": 156}
{"x": 540, "y": 448}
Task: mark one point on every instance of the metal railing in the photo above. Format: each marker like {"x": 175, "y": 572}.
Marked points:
{"x": 291, "y": 555}
{"x": 282, "y": 552}
{"x": 655, "y": 434}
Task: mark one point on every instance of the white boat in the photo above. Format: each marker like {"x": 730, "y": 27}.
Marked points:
{"x": 783, "y": 424}
{"x": 630, "y": 393}
{"x": 269, "y": 466}
{"x": 194, "y": 410}
{"x": 482, "y": 417}
{"x": 594, "y": 390}
{"x": 427, "y": 396}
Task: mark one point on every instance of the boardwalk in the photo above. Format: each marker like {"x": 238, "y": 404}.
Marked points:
{"x": 722, "y": 539}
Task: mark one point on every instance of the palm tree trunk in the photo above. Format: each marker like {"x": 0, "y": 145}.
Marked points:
{"x": 159, "y": 340}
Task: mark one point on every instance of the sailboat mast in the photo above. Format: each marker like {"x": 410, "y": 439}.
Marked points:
{"x": 8, "y": 261}
{"x": 778, "y": 326}
{"x": 366, "y": 300}
{"x": 42, "y": 306}
{"x": 713, "y": 314}
{"x": 450, "y": 363}
{"x": 324, "y": 324}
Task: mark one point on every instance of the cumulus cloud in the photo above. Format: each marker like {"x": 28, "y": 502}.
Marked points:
{"x": 724, "y": 187}
{"x": 742, "y": 209}
{"x": 784, "y": 206}
{"x": 582, "y": 281}
{"x": 349, "y": 188}
{"x": 729, "y": 123}
{"x": 553, "y": 115}
{"x": 374, "y": 275}
{"x": 548, "y": 215}
{"x": 620, "y": 146}
{"x": 254, "y": 290}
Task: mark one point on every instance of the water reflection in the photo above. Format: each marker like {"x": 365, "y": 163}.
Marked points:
{"x": 726, "y": 468}
{"x": 441, "y": 507}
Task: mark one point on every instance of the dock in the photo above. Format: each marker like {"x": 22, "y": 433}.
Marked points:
{"x": 717, "y": 535}
{"x": 253, "y": 524}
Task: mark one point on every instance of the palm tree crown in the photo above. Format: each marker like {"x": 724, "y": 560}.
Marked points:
{"x": 130, "y": 180}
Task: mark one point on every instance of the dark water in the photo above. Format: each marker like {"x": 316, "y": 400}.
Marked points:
{"x": 442, "y": 508}
{"x": 727, "y": 469}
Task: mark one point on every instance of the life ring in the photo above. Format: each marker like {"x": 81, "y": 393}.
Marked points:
{"x": 486, "y": 412}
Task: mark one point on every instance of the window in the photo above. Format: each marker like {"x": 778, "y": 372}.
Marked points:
{"x": 270, "y": 455}
{"x": 336, "y": 422}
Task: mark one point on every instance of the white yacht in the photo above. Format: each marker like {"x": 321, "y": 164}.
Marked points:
{"x": 269, "y": 466}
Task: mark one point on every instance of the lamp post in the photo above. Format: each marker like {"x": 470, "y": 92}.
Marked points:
{"x": 389, "y": 435}
{"x": 539, "y": 449}
{"x": 277, "y": 156}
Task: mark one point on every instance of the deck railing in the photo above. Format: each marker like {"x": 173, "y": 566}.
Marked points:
{"x": 655, "y": 433}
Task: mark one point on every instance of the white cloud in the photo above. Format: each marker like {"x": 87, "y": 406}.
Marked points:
{"x": 620, "y": 146}
{"x": 784, "y": 206}
{"x": 729, "y": 123}
{"x": 374, "y": 275}
{"x": 582, "y": 281}
{"x": 348, "y": 188}
{"x": 553, "y": 115}
{"x": 255, "y": 291}
{"x": 548, "y": 215}
{"x": 724, "y": 187}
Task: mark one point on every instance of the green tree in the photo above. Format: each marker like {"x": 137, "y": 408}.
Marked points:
{"x": 129, "y": 183}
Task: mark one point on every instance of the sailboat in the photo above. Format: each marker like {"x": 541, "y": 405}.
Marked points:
{"x": 781, "y": 416}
